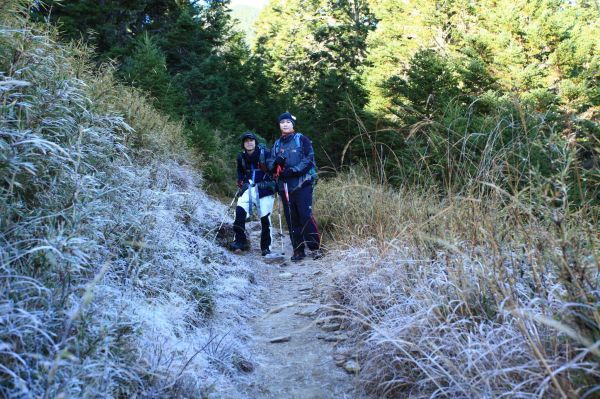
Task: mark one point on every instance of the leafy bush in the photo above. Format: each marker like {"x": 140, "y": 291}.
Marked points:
{"x": 218, "y": 155}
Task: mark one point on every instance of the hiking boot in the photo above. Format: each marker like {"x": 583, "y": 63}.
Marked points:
{"x": 317, "y": 254}
{"x": 265, "y": 252}
{"x": 237, "y": 246}
{"x": 298, "y": 256}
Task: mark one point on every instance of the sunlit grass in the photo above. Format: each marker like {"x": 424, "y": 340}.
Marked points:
{"x": 480, "y": 290}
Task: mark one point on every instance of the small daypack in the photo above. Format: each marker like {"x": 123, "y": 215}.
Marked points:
{"x": 313, "y": 172}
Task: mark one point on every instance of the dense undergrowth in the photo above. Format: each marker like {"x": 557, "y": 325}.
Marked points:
{"x": 108, "y": 287}
{"x": 490, "y": 288}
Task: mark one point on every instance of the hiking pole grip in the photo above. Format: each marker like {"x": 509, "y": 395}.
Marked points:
{"x": 277, "y": 172}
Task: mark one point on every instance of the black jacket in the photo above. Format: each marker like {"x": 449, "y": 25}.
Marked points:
{"x": 249, "y": 166}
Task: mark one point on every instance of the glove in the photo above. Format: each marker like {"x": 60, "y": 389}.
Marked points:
{"x": 240, "y": 183}
{"x": 279, "y": 160}
{"x": 266, "y": 185}
{"x": 287, "y": 172}
{"x": 244, "y": 187}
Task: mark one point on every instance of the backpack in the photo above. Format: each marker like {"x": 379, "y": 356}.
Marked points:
{"x": 313, "y": 172}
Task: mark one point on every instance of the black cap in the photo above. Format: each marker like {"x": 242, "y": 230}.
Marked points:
{"x": 247, "y": 135}
{"x": 287, "y": 115}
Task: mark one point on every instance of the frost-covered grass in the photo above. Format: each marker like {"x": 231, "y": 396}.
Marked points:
{"x": 110, "y": 285}
{"x": 482, "y": 294}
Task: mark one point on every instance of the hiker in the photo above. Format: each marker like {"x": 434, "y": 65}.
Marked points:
{"x": 293, "y": 164}
{"x": 256, "y": 189}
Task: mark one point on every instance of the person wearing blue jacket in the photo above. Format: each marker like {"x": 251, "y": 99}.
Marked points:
{"x": 293, "y": 163}
{"x": 256, "y": 188}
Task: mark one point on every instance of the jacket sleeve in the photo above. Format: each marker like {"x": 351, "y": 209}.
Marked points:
{"x": 270, "y": 158}
{"x": 308, "y": 158}
{"x": 241, "y": 173}
{"x": 267, "y": 159}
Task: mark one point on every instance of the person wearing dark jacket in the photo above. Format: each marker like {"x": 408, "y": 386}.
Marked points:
{"x": 293, "y": 163}
{"x": 257, "y": 189}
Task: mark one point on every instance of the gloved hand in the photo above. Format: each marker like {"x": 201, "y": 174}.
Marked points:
{"x": 287, "y": 172}
{"x": 279, "y": 160}
{"x": 266, "y": 185}
{"x": 244, "y": 187}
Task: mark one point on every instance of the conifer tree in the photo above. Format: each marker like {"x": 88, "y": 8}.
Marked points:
{"x": 146, "y": 68}
{"x": 314, "y": 51}
{"x": 109, "y": 25}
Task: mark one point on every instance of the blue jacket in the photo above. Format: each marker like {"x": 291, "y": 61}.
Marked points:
{"x": 299, "y": 161}
{"x": 249, "y": 166}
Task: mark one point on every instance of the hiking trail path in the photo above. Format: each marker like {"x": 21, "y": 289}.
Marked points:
{"x": 293, "y": 351}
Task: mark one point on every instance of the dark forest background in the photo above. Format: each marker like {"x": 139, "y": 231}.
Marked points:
{"x": 420, "y": 93}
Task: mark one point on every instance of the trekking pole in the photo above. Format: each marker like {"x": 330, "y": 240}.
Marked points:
{"x": 251, "y": 200}
{"x": 280, "y": 228}
{"x": 287, "y": 198}
{"x": 279, "y": 203}
{"x": 225, "y": 215}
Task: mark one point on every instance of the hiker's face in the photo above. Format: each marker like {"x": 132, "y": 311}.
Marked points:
{"x": 286, "y": 126}
{"x": 249, "y": 144}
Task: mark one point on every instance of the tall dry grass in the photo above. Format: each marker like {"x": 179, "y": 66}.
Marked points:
{"x": 107, "y": 282}
{"x": 478, "y": 291}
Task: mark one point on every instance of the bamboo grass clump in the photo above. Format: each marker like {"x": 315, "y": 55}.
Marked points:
{"x": 481, "y": 290}
{"x": 105, "y": 277}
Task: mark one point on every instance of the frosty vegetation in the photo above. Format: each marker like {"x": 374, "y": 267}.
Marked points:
{"x": 110, "y": 285}
{"x": 481, "y": 294}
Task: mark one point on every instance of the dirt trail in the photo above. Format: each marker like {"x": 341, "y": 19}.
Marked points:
{"x": 302, "y": 366}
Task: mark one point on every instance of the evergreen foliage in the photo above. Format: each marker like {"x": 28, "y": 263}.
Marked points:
{"x": 147, "y": 68}
{"x": 314, "y": 52}
{"x": 110, "y": 26}
{"x": 188, "y": 57}
{"x": 401, "y": 69}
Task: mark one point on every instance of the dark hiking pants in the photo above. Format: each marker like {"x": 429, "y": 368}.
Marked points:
{"x": 301, "y": 223}
{"x": 239, "y": 229}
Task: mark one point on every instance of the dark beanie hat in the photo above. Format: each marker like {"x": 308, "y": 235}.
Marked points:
{"x": 248, "y": 135}
{"x": 287, "y": 115}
